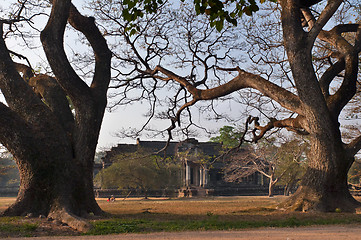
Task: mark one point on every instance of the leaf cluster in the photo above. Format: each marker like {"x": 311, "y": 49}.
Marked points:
{"x": 229, "y": 137}
{"x": 219, "y": 12}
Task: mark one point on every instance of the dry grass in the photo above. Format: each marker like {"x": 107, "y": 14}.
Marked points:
{"x": 238, "y": 205}
{"x": 191, "y": 206}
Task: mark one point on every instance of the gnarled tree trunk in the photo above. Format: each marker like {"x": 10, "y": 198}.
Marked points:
{"x": 324, "y": 186}
{"x": 53, "y": 148}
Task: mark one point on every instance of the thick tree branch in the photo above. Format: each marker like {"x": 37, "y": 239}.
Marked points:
{"x": 348, "y": 87}
{"x": 327, "y": 13}
{"x": 348, "y": 62}
{"x": 297, "y": 125}
{"x": 244, "y": 80}
{"x": 353, "y": 147}
{"x": 54, "y": 96}
{"x": 332, "y": 36}
{"x": 52, "y": 39}
{"x": 25, "y": 70}
{"x": 329, "y": 75}
{"x": 18, "y": 94}
{"x": 86, "y": 25}
{"x": 16, "y": 134}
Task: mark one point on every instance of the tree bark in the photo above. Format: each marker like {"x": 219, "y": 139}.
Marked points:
{"x": 324, "y": 186}
{"x": 54, "y": 150}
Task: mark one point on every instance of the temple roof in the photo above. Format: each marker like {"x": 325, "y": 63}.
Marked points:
{"x": 190, "y": 145}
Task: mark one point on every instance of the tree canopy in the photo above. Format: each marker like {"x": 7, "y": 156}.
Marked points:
{"x": 139, "y": 171}
{"x": 303, "y": 57}
{"x": 228, "y": 136}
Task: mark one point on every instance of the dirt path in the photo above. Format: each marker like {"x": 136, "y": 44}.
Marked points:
{"x": 302, "y": 233}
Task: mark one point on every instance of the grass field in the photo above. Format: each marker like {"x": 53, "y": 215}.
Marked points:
{"x": 214, "y": 213}
{"x": 190, "y": 206}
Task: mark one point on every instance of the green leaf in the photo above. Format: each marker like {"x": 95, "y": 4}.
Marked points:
{"x": 132, "y": 32}
{"x": 219, "y": 25}
{"x": 202, "y": 9}
{"x": 254, "y": 8}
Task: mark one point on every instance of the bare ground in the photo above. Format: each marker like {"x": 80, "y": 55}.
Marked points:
{"x": 309, "y": 233}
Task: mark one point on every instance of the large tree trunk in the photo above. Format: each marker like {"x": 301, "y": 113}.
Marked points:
{"x": 324, "y": 186}
{"x": 53, "y": 182}
{"x": 54, "y": 150}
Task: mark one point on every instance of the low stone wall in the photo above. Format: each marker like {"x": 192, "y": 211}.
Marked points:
{"x": 119, "y": 193}
{"x": 247, "y": 191}
{"x": 188, "y": 192}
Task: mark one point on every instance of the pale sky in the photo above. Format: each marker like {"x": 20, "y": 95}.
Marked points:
{"x": 123, "y": 117}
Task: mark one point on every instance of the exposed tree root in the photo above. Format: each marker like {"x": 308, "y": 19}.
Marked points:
{"x": 20, "y": 208}
{"x": 73, "y": 221}
{"x": 307, "y": 200}
{"x": 58, "y": 212}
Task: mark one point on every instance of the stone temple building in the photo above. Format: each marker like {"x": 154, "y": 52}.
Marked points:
{"x": 201, "y": 172}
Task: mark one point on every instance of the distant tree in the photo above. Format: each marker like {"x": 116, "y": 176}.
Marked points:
{"x": 229, "y": 137}
{"x": 98, "y": 156}
{"x": 275, "y": 163}
{"x": 292, "y": 158}
{"x": 139, "y": 171}
{"x": 354, "y": 175}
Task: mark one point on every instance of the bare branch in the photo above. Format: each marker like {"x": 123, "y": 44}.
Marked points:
{"x": 292, "y": 124}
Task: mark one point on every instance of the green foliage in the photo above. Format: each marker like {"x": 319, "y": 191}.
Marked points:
{"x": 138, "y": 171}
{"x": 218, "y": 11}
{"x": 228, "y": 136}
